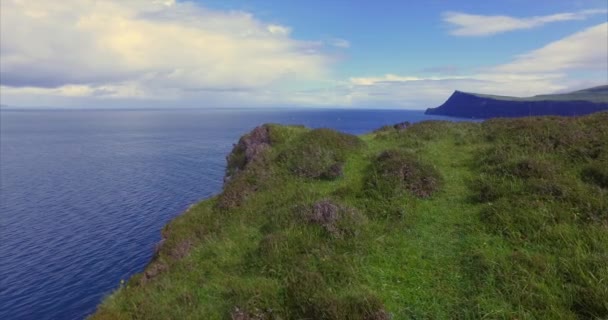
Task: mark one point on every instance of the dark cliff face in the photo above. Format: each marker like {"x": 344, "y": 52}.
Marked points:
{"x": 466, "y": 105}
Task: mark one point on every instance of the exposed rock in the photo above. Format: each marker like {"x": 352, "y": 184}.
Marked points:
{"x": 175, "y": 252}
{"x": 157, "y": 266}
{"x": 181, "y": 249}
{"x": 401, "y": 126}
{"x": 247, "y": 150}
{"x": 256, "y": 142}
{"x": 247, "y": 167}
{"x": 159, "y": 246}
{"x": 154, "y": 269}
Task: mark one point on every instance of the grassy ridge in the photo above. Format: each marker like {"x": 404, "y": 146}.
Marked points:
{"x": 501, "y": 219}
{"x": 596, "y": 94}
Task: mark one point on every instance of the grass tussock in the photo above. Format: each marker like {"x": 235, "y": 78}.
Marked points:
{"x": 320, "y": 153}
{"x": 596, "y": 173}
{"x": 504, "y": 219}
{"x": 395, "y": 171}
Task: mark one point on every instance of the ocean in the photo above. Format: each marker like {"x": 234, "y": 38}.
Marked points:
{"x": 85, "y": 193}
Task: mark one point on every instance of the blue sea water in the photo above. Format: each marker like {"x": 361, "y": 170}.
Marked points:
{"x": 85, "y": 193}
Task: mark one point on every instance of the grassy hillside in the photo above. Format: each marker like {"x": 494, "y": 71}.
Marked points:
{"x": 436, "y": 220}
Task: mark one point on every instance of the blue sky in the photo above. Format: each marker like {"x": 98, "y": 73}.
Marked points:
{"x": 408, "y": 36}
{"x": 360, "y": 54}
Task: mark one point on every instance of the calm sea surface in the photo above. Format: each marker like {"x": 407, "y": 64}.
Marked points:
{"x": 84, "y": 194}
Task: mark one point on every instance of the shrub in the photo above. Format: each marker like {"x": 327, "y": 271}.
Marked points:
{"x": 336, "y": 219}
{"x": 309, "y": 298}
{"x": 532, "y": 168}
{"x": 596, "y": 173}
{"x": 394, "y": 171}
{"x": 319, "y": 153}
{"x": 487, "y": 188}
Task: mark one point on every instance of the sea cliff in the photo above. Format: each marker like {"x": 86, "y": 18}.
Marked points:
{"x": 471, "y": 105}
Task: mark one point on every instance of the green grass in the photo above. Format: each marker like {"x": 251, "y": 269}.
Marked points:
{"x": 512, "y": 224}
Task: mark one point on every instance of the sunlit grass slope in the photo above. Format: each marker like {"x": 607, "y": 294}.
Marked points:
{"x": 505, "y": 219}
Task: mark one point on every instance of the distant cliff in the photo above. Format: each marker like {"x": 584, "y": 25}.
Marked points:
{"x": 471, "y": 105}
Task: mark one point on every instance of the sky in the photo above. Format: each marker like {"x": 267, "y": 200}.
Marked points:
{"x": 313, "y": 53}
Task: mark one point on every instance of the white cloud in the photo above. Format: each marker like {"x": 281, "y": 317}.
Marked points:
{"x": 392, "y": 78}
{"x": 585, "y": 50}
{"x": 340, "y": 43}
{"x": 424, "y": 92}
{"x": 140, "y": 52}
{"x": 551, "y": 68}
{"x": 277, "y": 29}
{"x": 464, "y": 24}
{"x": 142, "y": 48}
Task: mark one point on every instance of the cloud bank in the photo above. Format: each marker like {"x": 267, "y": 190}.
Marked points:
{"x": 142, "y": 48}
{"x": 471, "y": 25}
{"x": 165, "y": 53}
{"x": 584, "y": 51}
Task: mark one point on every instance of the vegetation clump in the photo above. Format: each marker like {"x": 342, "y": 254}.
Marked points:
{"x": 250, "y": 166}
{"x": 337, "y": 219}
{"x": 241, "y": 186}
{"x": 396, "y": 170}
{"x": 596, "y": 173}
{"x": 320, "y": 153}
{"x": 248, "y": 149}
{"x": 309, "y": 298}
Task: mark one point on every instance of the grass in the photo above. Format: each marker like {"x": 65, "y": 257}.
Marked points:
{"x": 437, "y": 220}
